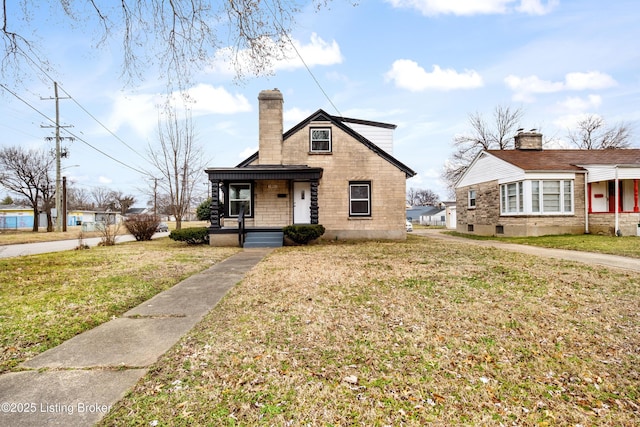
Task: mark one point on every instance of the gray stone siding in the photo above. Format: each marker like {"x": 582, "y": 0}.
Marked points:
{"x": 485, "y": 218}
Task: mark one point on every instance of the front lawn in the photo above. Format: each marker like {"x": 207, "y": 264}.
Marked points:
{"x": 47, "y": 299}
{"x": 414, "y": 333}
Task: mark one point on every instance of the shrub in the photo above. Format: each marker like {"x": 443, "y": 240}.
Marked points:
{"x": 193, "y": 236}
{"x": 142, "y": 226}
{"x": 303, "y": 233}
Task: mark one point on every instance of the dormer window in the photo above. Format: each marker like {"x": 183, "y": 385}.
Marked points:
{"x": 320, "y": 140}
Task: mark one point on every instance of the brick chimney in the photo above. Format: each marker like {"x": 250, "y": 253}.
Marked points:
{"x": 270, "y": 127}
{"x": 531, "y": 140}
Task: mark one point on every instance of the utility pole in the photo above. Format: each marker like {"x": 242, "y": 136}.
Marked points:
{"x": 64, "y": 203}
{"x": 58, "y": 156}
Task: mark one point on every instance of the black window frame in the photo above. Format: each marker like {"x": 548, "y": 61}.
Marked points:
{"x": 353, "y": 214}
{"x": 312, "y": 149}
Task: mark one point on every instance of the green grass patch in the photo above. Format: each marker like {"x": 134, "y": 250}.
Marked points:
{"x": 624, "y": 246}
{"x": 46, "y": 299}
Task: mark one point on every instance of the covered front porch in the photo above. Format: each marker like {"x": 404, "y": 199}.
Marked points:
{"x": 260, "y": 199}
{"x": 613, "y": 200}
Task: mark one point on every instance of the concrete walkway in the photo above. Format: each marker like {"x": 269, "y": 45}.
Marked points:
{"x": 77, "y": 382}
{"x": 591, "y": 258}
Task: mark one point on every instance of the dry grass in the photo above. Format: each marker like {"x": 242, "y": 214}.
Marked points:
{"x": 13, "y": 237}
{"x": 414, "y": 333}
{"x": 47, "y": 299}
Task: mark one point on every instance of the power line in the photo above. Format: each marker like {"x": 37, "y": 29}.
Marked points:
{"x": 105, "y": 154}
{"x": 277, "y": 21}
{"x": 103, "y": 126}
{"x": 35, "y": 63}
{"x": 71, "y": 133}
{"x": 26, "y": 103}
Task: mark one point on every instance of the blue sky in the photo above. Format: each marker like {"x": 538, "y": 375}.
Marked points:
{"x": 424, "y": 65}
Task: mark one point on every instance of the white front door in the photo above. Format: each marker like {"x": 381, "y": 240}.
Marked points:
{"x": 301, "y": 203}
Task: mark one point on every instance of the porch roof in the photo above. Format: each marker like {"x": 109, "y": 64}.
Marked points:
{"x": 263, "y": 172}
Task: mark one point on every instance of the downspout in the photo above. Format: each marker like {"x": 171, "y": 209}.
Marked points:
{"x": 617, "y": 202}
{"x": 587, "y": 203}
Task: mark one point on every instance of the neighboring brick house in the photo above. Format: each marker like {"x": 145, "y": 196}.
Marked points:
{"x": 529, "y": 191}
{"x": 327, "y": 170}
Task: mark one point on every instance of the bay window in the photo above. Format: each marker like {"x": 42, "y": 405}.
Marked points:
{"x": 537, "y": 197}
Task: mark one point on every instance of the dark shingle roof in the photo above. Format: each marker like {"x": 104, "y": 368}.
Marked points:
{"x": 567, "y": 160}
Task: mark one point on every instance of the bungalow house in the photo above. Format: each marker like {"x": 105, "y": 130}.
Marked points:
{"x": 327, "y": 170}
{"x": 529, "y": 191}
{"x": 427, "y": 215}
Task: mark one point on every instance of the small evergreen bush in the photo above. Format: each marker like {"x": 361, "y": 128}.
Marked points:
{"x": 193, "y": 236}
{"x": 303, "y": 233}
{"x": 142, "y": 226}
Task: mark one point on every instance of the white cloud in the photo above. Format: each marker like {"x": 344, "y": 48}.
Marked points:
{"x": 140, "y": 112}
{"x": 293, "y": 116}
{"x": 104, "y": 180}
{"x": 581, "y": 104}
{"x": 536, "y": 7}
{"x": 137, "y": 111}
{"x": 208, "y": 99}
{"x": 316, "y": 52}
{"x": 589, "y": 81}
{"x": 409, "y": 75}
{"x": 526, "y": 87}
{"x": 476, "y": 7}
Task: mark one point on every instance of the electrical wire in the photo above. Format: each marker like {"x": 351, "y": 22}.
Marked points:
{"x": 35, "y": 63}
{"x": 279, "y": 24}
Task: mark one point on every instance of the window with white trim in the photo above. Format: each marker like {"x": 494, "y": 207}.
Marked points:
{"x": 239, "y": 195}
{"x": 537, "y": 197}
{"x": 320, "y": 140}
{"x": 360, "y": 198}
{"x": 512, "y": 198}
{"x": 471, "y": 199}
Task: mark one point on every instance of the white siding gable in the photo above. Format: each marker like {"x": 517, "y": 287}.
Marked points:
{"x": 608, "y": 172}
{"x": 488, "y": 168}
{"x": 382, "y": 137}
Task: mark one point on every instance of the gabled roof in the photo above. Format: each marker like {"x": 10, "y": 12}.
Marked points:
{"x": 566, "y": 160}
{"x": 342, "y": 123}
{"x": 418, "y": 211}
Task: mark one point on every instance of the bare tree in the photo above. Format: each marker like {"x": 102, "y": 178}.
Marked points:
{"x": 101, "y": 197}
{"x": 422, "y": 197}
{"x": 177, "y": 36}
{"x": 48, "y": 196}
{"x": 78, "y": 198}
{"x": 591, "y": 133}
{"x": 26, "y": 172}
{"x": 178, "y": 159}
{"x": 497, "y": 135}
{"x": 118, "y": 201}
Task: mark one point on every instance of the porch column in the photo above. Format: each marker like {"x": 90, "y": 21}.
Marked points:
{"x": 215, "y": 204}
{"x": 635, "y": 196}
{"x": 314, "y": 202}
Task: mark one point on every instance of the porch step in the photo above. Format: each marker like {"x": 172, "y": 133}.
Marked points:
{"x": 263, "y": 239}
